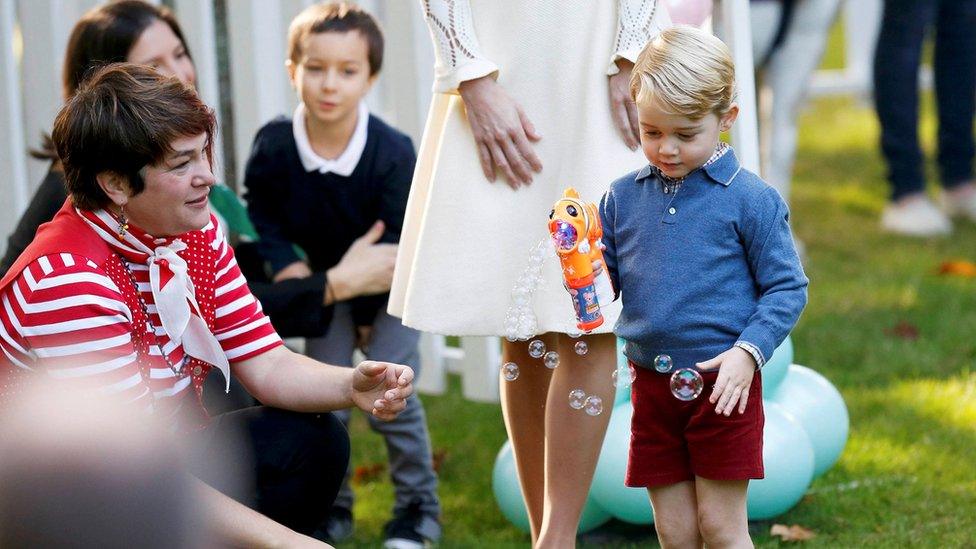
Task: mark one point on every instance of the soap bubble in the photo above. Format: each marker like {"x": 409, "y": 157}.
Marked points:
{"x": 686, "y": 384}
{"x": 663, "y": 363}
{"x": 593, "y": 405}
{"x": 581, "y": 348}
{"x": 537, "y": 348}
{"x": 510, "y": 371}
{"x": 577, "y": 397}
{"x": 551, "y": 360}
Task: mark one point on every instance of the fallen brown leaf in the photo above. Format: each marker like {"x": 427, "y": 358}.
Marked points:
{"x": 367, "y": 473}
{"x": 903, "y": 330}
{"x": 958, "y": 268}
{"x": 792, "y": 533}
{"x": 438, "y": 459}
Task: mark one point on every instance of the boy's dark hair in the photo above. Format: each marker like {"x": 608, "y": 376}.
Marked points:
{"x": 336, "y": 17}
{"x": 119, "y": 121}
{"x": 103, "y": 35}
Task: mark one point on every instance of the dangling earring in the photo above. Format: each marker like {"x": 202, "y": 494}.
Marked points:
{"x": 123, "y": 222}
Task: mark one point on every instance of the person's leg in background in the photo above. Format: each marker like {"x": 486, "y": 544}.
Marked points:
{"x": 416, "y": 512}
{"x": 955, "y": 89}
{"x": 336, "y": 347}
{"x": 896, "y": 63}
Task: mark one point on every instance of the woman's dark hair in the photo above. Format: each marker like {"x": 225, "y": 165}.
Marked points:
{"x": 123, "y": 118}
{"x": 105, "y": 34}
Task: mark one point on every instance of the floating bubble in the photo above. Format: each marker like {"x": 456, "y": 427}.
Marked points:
{"x": 551, "y": 360}
{"x": 593, "y": 405}
{"x": 581, "y": 348}
{"x": 574, "y": 332}
{"x": 577, "y": 397}
{"x": 510, "y": 371}
{"x": 537, "y": 348}
{"x": 686, "y": 384}
{"x": 663, "y": 363}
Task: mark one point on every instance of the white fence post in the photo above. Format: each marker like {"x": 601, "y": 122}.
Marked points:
{"x": 12, "y": 146}
{"x": 736, "y": 30}
{"x": 196, "y": 18}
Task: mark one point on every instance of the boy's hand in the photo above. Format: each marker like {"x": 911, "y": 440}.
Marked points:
{"x": 366, "y": 268}
{"x": 298, "y": 269}
{"x": 736, "y": 368}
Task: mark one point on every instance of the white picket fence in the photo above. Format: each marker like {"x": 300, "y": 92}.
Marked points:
{"x": 33, "y": 35}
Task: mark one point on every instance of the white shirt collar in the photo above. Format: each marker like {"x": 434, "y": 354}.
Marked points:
{"x": 347, "y": 161}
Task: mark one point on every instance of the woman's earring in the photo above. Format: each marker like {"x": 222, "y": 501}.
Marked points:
{"x": 123, "y": 222}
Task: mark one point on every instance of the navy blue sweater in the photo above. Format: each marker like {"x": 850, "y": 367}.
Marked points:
{"x": 324, "y": 213}
{"x": 703, "y": 268}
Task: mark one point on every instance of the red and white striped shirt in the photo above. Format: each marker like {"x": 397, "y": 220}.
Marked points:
{"x": 66, "y": 316}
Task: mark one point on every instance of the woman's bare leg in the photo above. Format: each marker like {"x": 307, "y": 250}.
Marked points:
{"x": 524, "y": 408}
{"x": 573, "y": 437}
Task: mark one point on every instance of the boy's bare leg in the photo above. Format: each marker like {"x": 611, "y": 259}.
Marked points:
{"x": 524, "y": 408}
{"x": 675, "y": 515}
{"x": 722, "y": 516}
{"x": 574, "y": 438}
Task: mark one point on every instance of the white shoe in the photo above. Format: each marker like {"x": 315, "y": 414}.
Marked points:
{"x": 918, "y": 217}
{"x": 961, "y": 202}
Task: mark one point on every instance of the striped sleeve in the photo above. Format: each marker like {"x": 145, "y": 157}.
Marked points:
{"x": 63, "y": 315}
{"x": 241, "y": 327}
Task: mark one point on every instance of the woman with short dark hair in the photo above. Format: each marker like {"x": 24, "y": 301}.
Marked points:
{"x": 133, "y": 291}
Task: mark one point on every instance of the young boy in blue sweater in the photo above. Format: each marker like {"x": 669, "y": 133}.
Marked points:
{"x": 701, "y": 252}
{"x": 318, "y": 180}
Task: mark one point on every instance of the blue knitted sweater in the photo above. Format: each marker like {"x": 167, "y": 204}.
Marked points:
{"x": 702, "y": 268}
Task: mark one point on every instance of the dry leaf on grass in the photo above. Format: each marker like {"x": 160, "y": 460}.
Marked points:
{"x": 903, "y": 330}
{"x": 959, "y": 267}
{"x": 791, "y": 533}
{"x": 367, "y": 473}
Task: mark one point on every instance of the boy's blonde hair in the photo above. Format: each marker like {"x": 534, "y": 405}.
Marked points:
{"x": 336, "y": 17}
{"x": 689, "y": 72}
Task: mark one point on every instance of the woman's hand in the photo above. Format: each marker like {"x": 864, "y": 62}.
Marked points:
{"x": 502, "y": 132}
{"x": 622, "y": 107}
{"x": 382, "y": 388}
{"x": 365, "y": 269}
{"x": 736, "y": 370}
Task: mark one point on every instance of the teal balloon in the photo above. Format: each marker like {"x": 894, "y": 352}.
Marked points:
{"x": 788, "y": 464}
{"x": 508, "y": 494}
{"x": 820, "y": 408}
{"x": 623, "y": 387}
{"x": 774, "y": 371}
{"x": 627, "y": 504}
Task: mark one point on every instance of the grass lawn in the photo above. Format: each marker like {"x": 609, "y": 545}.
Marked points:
{"x": 908, "y": 474}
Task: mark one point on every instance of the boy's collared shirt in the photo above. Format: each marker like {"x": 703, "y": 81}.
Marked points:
{"x": 347, "y": 161}
{"x": 701, "y": 269}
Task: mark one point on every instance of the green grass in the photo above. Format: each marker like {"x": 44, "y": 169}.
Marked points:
{"x": 908, "y": 474}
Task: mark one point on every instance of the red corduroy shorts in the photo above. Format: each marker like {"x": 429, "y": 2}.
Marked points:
{"x": 673, "y": 441}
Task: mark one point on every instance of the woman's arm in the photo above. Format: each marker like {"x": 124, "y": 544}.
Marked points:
{"x": 237, "y": 525}
{"x": 285, "y": 379}
{"x": 638, "y": 22}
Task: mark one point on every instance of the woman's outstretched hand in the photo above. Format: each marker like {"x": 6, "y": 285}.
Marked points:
{"x": 502, "y": 132}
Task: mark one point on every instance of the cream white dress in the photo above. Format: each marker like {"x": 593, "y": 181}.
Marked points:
{"x": 466, "y": 240}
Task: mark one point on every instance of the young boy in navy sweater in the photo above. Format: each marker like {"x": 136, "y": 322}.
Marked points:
{"x": 701, "y": 252}
{"x": 319, "y": 180}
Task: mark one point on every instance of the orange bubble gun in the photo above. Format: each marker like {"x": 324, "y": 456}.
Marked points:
{"x": 576, "y": 232}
